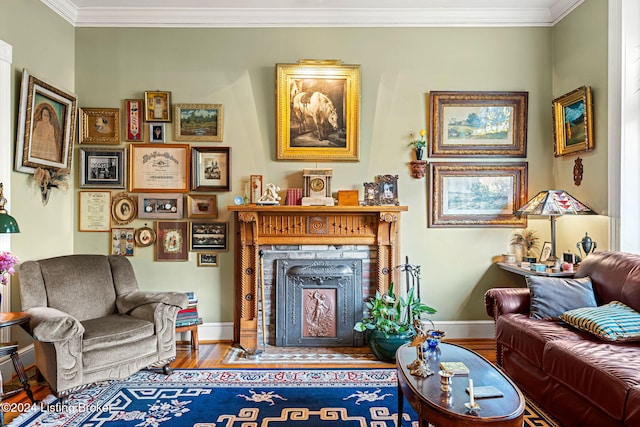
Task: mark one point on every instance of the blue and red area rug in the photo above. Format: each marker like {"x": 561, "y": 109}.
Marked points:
{"x": 232, "y": 398}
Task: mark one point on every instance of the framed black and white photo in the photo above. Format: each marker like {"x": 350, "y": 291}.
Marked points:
{"x": 207, "y": 235}
{"x": 103, "y": 168}
{"x": 210, "y": 168}
{"x": 387, "y": 190}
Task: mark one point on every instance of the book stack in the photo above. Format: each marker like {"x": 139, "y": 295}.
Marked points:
{"x": 294, "y": 196}
{"x": 189, "y": 315}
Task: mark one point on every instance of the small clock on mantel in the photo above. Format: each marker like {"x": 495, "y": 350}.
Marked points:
{"x": 317, "y": 187}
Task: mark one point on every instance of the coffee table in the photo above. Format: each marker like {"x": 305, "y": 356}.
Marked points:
{"x": 443, "y": 410}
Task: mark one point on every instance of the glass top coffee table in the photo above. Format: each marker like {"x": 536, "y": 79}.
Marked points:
{"x": 444, "y": 409}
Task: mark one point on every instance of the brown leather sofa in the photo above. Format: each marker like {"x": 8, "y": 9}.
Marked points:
{"x": 579, "y": 379}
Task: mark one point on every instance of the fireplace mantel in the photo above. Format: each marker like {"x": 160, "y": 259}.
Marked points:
{"x": 306, "y": 225}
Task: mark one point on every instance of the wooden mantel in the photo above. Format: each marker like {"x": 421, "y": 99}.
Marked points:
{"x": 306, "y": 225}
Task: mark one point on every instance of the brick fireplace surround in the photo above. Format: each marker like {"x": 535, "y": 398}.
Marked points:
{"x": 332, "y": 227}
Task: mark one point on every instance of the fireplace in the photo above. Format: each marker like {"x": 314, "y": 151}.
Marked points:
{"x": 318, "y": 302}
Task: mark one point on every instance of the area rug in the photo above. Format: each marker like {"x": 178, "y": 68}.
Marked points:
{"x": 303, "y": 355}
{"x": 236, "y": 398}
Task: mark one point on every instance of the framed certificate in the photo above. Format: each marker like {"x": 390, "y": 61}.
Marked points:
{"x": 95, "y": 211}
{"x": 158, "y": 168}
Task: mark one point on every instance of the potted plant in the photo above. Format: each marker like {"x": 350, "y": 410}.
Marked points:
{"x": 389, "y": 323}
{"x": 418, "y": 143}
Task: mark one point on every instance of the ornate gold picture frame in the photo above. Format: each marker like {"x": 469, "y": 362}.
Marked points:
{"x": 318, "y": 111}
{"x": 99, "y": 126}
{"x": 573, "y": 122}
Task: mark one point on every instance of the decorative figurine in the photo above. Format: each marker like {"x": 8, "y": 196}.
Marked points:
{"x": 270, "y": 196}
{"x": 586, "y": 244}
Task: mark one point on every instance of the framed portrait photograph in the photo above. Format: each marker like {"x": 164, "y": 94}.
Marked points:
{"x": 159, "y": 168}
{"x": 206, "y": 235}
{"x": 94, "y": 210}
{"x": 123, "y": 209}
{"x": 156, "y": 132}
{"x": 207, "y": 259}
{"x": 477, "y": 194}
{"x": 573, "y": 122}
{"x": 157, "y": 106}
{"x": 370, "y": 194}
{"x": 202, "y": 206}
{"x": 99, "y": 126}
{"x": 122, "y": 241}
{"x": 545, "y": 252}
{"x": 46, "y": 126}
{"x": 145, "y": 236}
{"x": 255, "y": 188}
{"x": 479, "y": 124}
{"x": 387, "y": 190}
{"x": 160, "y": 205}
{"x": 318, "y": 111}
{"x": 172, "y": 241}
{"x": 102, "y": 168}
{"x": 133, "y": 120}
{"x": 210, "y": 169}
{"x": 198, "y": 122}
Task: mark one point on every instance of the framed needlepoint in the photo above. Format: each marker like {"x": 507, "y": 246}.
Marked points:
{"x": 133, "y": 117}
{"x": 172, "y": 242}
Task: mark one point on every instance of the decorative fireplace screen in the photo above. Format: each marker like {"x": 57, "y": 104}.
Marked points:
{"x": 318, "y": 302}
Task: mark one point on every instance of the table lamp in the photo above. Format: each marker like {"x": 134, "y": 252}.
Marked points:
{"x": 554, "y": 203}
{"x": 7, "y": 223}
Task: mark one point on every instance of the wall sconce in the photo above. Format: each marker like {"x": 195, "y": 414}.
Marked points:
{"x": 8, "y": 224}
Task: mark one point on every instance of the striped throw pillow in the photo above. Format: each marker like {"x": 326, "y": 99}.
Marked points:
{"x": 614, "y": 321}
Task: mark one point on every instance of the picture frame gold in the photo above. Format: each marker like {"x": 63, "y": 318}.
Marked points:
{"x": 133, "y": 110}
{"x": 145, "y": 236}
{"x": 159, "y": 168}
{"x": 573, "y": 122}
{"x": 123, "y": 209}
{"x": 318, "y": 111}
{"x": 202, "y": 206}
{"x": 208, "y": 259}
{"x": 198, "y": 122}
{"x": 157, "y": 106}
{"x": 479, "y": 124}
{"x": 33, "y": 151}
{"x": 99, "y": 126}
{"x": 477, "y": 194}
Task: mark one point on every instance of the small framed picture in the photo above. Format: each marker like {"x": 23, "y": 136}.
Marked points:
{"x": 94, "y": 210}
{"x": 202, "y": 206}
{"x": 123, "y": 209}
{"x": 545, "y": 252}
{"x": 255, "y": 183}
{"x": 207, "y": 259}
{"x": 198, "y": 122}
{"x": 145, "y": 236}
{"x": 103, "y": 168}
{"x": 157, "y": 106}
{"x": 160, "y": 205}
{"x": 387, "y": 190}
{"x": 207, "y": 236}
{"x": 370, "y": 194}
{"x": 156, "y": 132}
{"x": 99, "y": 126}
{"x": 122, "y": 241}
{"x": 172, "y": 241}
{"x": 210, "y": 168}
{"x": 133, "y": 120}
{"x": 573, "y": 122}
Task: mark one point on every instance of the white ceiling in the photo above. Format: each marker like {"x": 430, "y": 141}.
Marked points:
{"x": 311, "y": 13}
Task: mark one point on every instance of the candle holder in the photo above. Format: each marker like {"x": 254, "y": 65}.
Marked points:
{"x": 445, "y": 380}
{"x": 472, "y": 407}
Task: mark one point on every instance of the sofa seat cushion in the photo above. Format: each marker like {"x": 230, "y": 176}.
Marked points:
{"x": 600, "y": 372}
{"x": 114, "y": 329}
{"x": 529, "y": 336}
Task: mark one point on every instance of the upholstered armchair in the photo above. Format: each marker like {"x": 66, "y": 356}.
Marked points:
{"x": 90, "y": 322}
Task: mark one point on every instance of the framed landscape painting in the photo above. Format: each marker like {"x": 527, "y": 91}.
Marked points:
{"x": 477, "y": 194}
{"x": 573, "y": 122}
{"x": 198, "y": 122}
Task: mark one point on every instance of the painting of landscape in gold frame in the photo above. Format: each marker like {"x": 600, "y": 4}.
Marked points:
{"x": 318, "y": 111}
{"x": 573, "y": 122}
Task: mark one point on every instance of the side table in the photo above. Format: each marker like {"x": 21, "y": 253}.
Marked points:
{"x": 193, "y": 329}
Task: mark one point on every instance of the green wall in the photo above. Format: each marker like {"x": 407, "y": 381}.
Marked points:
{"x": 236, "y": 68}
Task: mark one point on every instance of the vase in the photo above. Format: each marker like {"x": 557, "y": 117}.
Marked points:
{"x": 384, "y": 347}
{"x": 419, "y": 152}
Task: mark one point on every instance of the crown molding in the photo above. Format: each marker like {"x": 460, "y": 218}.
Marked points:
{"x": 294, "y": 13}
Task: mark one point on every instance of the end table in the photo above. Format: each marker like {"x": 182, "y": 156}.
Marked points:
{"x": 11, "y": 349}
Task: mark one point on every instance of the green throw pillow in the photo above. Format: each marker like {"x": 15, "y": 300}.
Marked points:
{"x": 610, "y": 322}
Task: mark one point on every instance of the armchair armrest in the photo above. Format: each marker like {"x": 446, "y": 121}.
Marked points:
{"x": 51, "y": 325}
{"x": 131, "y": 301}
{"x": 499, "y": 301}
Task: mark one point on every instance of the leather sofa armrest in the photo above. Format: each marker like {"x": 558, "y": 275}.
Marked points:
{"x": 51, "y": 325}
{"x": 129, "y": 302}
{"x": 499, "y": 301}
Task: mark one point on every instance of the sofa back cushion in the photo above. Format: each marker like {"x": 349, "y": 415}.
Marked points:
{"x": 80, "y": 285}
{"x": 552, "y": 296}
{"x": 615, "y": 277}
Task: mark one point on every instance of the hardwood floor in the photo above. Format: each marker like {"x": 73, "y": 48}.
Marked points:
{"x": 211, "y": 356}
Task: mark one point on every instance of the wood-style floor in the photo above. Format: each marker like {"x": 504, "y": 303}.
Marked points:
{"x": 211, "y": 355}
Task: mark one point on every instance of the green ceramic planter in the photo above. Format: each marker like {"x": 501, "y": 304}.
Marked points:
{"x": 384, "y": 348}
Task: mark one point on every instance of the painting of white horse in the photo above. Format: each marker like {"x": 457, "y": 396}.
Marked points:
{"x": 316, "y": 108}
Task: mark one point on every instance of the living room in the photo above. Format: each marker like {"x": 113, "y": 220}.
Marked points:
{"x": 235, "y": 67}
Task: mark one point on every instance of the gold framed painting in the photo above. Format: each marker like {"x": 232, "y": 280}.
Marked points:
{"x": 46, "y": 126}
{"x": 318, "y": 111}
{"x": 573, "y": 122}
{"x": 475, "y": 194}
{"x": 99, "y": 126}
{"x": 159, "y": 168}
{"x": 157, "y": 106}
{"x": 479, "y": 124}
{"x": 198, "y": 122}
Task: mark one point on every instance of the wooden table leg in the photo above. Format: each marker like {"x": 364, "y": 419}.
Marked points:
{"x": 22, "y": 376}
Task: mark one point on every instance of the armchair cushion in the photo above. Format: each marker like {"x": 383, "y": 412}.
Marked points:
{"x": 115, "y": 329}
{"x": 50, "y": 325}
